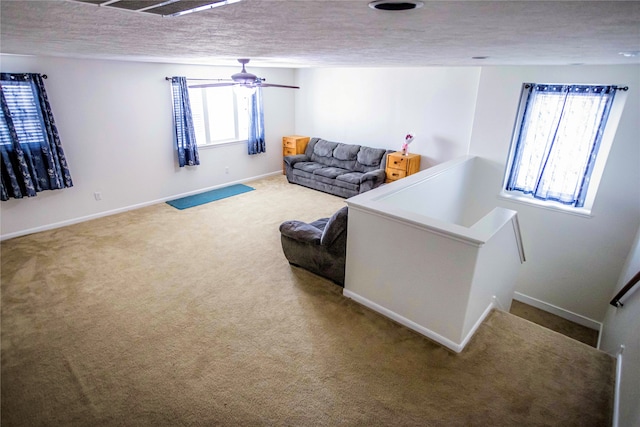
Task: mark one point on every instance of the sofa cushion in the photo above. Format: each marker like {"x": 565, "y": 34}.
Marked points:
{"x": 324, "y": 148}
{"x": 308, "y": 166}
{"x": 330, "y": 172}
{"x": 342, "y": 164}
{"x": 320, "y": 224}
{"x": 343, "y": 184}
{"x": 336, "y": 225}
{"x": 301, "y": 231}
{"x": 344, "y": 156}
{"x": 328, "y": 185}
{"x": 352, "y": 177}
{"x": 346, "y": 151}
{"x": 323, "y": 152}
{"x": 369, "y": 159}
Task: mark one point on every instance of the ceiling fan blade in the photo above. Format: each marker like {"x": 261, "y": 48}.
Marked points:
{"x": 272, "y": 85}
{"x": 203, "y": 85}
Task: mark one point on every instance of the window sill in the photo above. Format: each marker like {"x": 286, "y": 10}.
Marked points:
{"x": 221, "y": 144}
{"x": 556, "y": 207}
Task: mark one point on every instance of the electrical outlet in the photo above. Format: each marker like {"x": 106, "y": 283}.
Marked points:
{"x": 226, "y": 170}
{"x": 97, "y": 195}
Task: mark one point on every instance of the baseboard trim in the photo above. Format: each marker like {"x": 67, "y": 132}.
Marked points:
{"x": 481, "y": 319}
{"x": 127, "y": 208}
{"x": 456, "y": 347}
{"x": 560, "y": 312}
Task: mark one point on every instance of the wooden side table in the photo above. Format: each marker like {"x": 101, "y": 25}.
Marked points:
{"x": 292, "y": 145}
{"x": 399, "y": 166}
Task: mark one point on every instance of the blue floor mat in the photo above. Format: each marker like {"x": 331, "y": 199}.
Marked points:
{"x": 209, "y": 196}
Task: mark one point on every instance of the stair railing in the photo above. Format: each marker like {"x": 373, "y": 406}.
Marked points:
{"x": 630, "y": 284}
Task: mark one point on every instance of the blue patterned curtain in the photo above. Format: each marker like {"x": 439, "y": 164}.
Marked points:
{"x": 256, "y": 124}
{"x": 559, "y": 139}
{"x": 183, "y": 124}
{"x": 32, "y": 156}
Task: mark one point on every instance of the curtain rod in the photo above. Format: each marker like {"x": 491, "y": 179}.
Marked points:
{"x": 623, "y": 88}
{"x": 44, "y": 76}
{"x": 210, "y": 80}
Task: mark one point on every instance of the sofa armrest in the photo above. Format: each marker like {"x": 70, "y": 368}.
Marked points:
{"x": 301, "y": 231}
{"x": 374, "y": 175}
{"x": 292, "y": 160}
{"x": 372, "y": 179}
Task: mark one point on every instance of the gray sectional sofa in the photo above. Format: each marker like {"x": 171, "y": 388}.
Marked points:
{"x": 344, "y": 170}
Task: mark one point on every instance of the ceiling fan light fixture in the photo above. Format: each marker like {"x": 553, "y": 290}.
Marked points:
{"x": 395, "y": 5}
{"x": 243, "y": 83}
{"x": 243, "y": 77}
{"x": 244, "y": 90}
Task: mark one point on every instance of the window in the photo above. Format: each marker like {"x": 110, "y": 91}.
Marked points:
{"x": 220, "y": 114}
{"x": 556, "y": 157}
{"x": 25, "y": 113}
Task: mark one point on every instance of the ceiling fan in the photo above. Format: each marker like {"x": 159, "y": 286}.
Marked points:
{"x": 243, "y": 79}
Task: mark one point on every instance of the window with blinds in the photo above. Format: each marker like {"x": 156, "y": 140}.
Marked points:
{"x": 25, "y": 112}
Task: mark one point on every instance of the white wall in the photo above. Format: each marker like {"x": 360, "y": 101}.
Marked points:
{"x": 572, "y": 262}
{"x": 622, "y": 327}
{"x": 377, "y": 107}
{"x": 115, "y": 123}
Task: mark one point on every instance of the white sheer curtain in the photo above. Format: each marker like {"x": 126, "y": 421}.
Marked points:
{"x": 559, "y": 140}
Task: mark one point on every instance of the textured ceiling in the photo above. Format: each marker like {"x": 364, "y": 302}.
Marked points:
{"x": 304, "y": 33}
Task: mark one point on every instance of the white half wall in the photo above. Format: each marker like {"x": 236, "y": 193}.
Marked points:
{"x": 436, "y": 276}
{"x": 116, "y": 126}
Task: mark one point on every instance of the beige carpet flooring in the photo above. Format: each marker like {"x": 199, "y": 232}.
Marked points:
{"x": 555, "y": 323}
{"x": 161, "y": 317}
